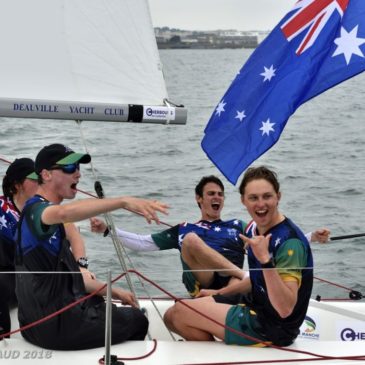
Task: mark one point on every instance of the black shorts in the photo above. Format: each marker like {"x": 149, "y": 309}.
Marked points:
{"x": 83, "y": 327}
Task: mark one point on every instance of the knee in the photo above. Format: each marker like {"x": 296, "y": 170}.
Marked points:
{"x": 192, "y": 243}
{"x": 172, "y": 316}
{"x": 168, "y": 317}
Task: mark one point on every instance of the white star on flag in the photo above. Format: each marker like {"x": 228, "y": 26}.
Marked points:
{"x": 220, "y": 108}
{"x": 217, "y": 229}
{"x": 240, "y": 115}
{"x": 3, "y": 222}
{"x": 269, "y": 73}
{"x": 278, "y": 240}
{"x": 348, "y": 44}
{"x": 267, "y": 127}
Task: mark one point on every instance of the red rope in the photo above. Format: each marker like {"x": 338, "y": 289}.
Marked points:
{"x": 169, "y": 225}
{"x": 317, "y": 357}
{"x": 102, "y": 360}
{"x": 67, "y": 307}
{"x": 331, "y": 283}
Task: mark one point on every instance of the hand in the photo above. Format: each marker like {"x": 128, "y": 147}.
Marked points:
{"x": 259, "y": 246}
{"x": 126, "y": 297}
{"x": 147, "y": 208}
{"x": 97, "y": 225}
{"x": 87, "y": 273}
{"x": 321, "y": 235}
{"x": 206, "y": 293}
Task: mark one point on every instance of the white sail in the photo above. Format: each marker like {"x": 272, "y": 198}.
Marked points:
{"x": 80, "y": 59}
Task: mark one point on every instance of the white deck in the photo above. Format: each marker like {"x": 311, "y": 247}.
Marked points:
{"x": 331, "y": 320}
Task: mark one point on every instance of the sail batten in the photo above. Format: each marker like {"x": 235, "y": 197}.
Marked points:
{"x": 78, "y": 51}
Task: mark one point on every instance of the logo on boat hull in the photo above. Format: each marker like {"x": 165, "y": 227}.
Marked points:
{"x": 308, "y": 329}
{"x": 348, "y": 334}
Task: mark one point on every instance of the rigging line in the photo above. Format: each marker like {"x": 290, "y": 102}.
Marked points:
{"x": 4, "y": 160}
{"x": 118, "y": 245}
{"x": 107, "y": 216}
{"x": 64, "y": 309}
{"x": 331, "y": 283}
{"x": 345, "y": 237}
{"x": 117, "y": 238}
{"x": 319, "y": 356}
{"x": 56, "y": 313}
{"x": 112, "y": 225}
{"x": 353, "y": 294}
{"x": 115, "y": 359}
{"x": 94, "y": 174}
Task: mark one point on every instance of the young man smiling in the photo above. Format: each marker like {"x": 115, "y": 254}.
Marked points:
{"x": 54, "y": 279}
{"x": 212, "y": 252}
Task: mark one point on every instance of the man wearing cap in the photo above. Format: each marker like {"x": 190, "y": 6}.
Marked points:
{"x": 19, "y": 184}
{"x": 43, "y": 247}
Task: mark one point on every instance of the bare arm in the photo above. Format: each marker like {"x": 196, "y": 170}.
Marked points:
{"x": 78, "y": 247}
{"x": 124, "y": 296}
{"x": 87, "y": 208}
{"x": 76, "y": 241}
{"x": 236, "y": 287}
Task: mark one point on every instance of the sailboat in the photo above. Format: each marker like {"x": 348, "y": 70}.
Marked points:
{"x": 75, "y": 62}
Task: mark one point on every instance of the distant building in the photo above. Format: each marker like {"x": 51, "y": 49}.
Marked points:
{"x": 176, "y": 38}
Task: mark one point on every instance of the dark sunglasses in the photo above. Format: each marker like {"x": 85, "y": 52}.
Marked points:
{"x": 67, "y": 169}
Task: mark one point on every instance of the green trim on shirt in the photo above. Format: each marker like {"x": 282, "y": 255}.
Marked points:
{"x": 292, "y": 254}
{"x": 167, "y": 239}
{"x": 39, "y": 229}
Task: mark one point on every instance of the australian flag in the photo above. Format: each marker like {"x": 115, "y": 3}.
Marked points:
{"x": 317, "y": 45}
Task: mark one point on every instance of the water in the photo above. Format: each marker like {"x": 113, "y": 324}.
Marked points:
{"x": 320, "y": 160}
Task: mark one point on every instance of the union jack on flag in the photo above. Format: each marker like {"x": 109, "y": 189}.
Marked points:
{"x": 317, "y": 45}
{"x": 310, "y": 19}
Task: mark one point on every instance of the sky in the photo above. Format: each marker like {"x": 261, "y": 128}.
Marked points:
{"x": 219, "y": 14}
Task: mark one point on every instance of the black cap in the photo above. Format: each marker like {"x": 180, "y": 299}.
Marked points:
{"x": 20, "y": 169}
{"x": 58, "y": 154}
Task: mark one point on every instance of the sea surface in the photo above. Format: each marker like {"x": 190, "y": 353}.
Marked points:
{"x": 320, "y": 160}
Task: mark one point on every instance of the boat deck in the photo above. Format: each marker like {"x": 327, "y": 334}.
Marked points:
{"x": 323, "y": 340}
{"x": 181, "y": 352}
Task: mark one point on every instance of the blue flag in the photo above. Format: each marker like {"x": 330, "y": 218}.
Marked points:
{"x": 317, "y": 45}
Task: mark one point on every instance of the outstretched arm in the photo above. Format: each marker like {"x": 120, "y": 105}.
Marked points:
{"x": 87, "y": 208}
{"x": 131, "y": 240}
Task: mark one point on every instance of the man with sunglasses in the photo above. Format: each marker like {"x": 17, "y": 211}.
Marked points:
{"x": 42, "y": 247}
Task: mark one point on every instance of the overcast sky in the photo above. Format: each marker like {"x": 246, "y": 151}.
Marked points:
{"x": 219, "y": 14}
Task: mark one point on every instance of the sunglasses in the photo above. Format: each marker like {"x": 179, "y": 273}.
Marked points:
{"x": 67, "y": 169}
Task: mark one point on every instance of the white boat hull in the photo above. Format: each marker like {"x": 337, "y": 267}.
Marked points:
{"x": 338, "y": 331}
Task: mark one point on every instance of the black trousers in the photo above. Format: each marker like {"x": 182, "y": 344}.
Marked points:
{"x": 83, "y": 327}
{"x": 7, "y": 301}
